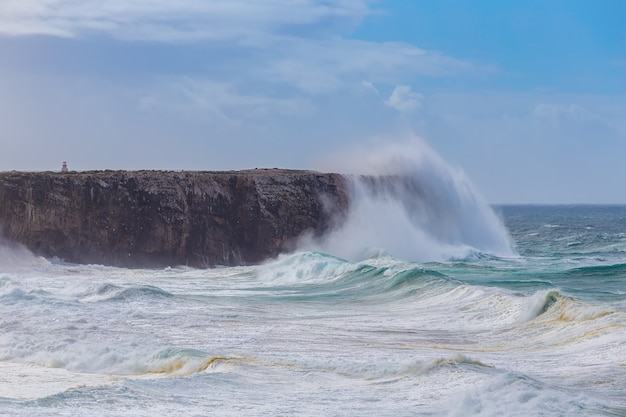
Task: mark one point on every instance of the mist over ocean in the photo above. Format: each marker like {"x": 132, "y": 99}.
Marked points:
{"x": 425, "y": 301}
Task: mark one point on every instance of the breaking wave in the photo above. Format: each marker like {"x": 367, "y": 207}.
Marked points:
{"x": 15, "y": 257}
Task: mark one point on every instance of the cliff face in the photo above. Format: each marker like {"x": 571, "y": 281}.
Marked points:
{"x": 156, "y": 218}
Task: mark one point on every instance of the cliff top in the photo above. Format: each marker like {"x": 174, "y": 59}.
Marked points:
{"x": 256, "y": 171}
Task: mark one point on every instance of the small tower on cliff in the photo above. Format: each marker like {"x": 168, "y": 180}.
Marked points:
{"x": 64, "y": 167}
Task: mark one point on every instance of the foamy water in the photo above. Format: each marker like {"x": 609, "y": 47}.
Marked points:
{"x": 307, "y": 334}
{"x": 433, "y": 313}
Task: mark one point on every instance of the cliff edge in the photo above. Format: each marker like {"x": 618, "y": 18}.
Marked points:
{"x": 158, "y": 218}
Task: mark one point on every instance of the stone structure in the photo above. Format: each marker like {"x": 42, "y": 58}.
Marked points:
{"x": 156, "y": 218}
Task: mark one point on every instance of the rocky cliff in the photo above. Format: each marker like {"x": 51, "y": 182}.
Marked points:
{"x": 156, "y": 218}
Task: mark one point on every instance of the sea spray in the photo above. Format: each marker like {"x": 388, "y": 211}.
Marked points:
{"x": 406, "y": 201}
{"x": 15, "y": 257}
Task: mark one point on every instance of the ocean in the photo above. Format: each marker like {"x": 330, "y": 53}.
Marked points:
{"x": 515, "y": 311}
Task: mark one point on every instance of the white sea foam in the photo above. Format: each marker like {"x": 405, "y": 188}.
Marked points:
{"x": 307, "y": 330}
{"x": 507, "y": 394}
{"x": 27, "y": 381}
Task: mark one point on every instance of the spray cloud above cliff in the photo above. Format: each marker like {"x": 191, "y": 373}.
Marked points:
{"x": 406, "y": 201}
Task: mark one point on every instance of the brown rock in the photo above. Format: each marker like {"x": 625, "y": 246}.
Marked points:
{"x": 156, "y": 218}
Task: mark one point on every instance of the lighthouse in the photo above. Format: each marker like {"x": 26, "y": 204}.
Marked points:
{"x": 64, "y": 167}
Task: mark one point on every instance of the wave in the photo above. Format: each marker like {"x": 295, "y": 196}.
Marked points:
{"x": 567, "y": 310}
{"x": 537, "y": 304}
{"x": 311, "y": 275}
{"x": 11, "y": 292}
{"x": 595, "y": 280}
{"x": 181, "y": 362}
{"x": 169, "y": 362}
{"x": 452, "y": 304}
{"x": 143, "y": 292}
{"x": 509, "y": 393}
{"x": 476, "y": 308}
{"x": 603, "y": 271}
{"x": 385, "y": 373}
{"x": 15, "y": 257}
{"x": 15, "y": 292}
{"x": 114, "y": 293}
{"x": 408, "y": 202}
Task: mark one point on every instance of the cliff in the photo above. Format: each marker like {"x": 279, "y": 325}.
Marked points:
{"x": 156, "y": 218}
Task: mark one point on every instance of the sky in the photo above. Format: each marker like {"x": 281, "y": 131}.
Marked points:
{"x": 526, "y": 97}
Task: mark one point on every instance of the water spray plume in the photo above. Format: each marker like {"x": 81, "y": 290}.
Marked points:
{"x": 406, "y": 201}
{"x": 15, "y": 257}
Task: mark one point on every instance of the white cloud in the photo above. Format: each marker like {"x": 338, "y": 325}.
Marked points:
{"x": 280, "y": 43}
{"x": 321, "y": 66}
{"x": 557, "y": 114}
{"x": 367, "y": 85}
{"x": 176, "y": 21}
{"x": 217, "y": 102}
{"x": 403, "y": 99}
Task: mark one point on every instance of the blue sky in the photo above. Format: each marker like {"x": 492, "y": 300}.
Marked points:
{"x": 527, "y": 97}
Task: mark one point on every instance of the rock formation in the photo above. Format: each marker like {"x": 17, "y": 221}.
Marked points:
{"x": 156, "y": 218}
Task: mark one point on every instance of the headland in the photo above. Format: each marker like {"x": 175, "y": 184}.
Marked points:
{"x": 168, "y": 218}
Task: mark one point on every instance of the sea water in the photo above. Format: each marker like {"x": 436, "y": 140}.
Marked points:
{"x": 525, "y": 319}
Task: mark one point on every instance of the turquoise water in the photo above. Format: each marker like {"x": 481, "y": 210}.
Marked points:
{"x": 538, "y": 330}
